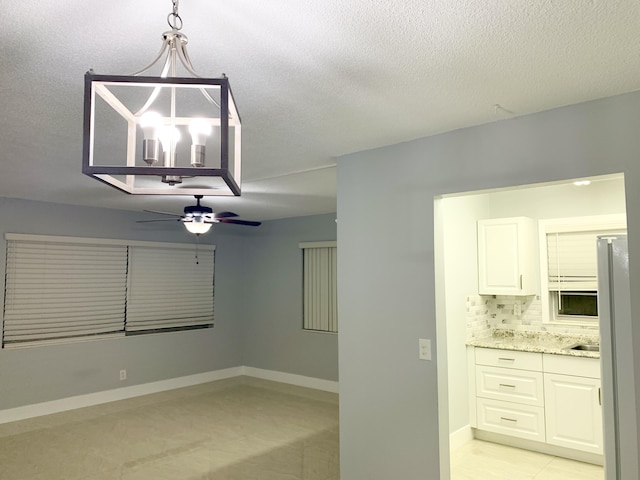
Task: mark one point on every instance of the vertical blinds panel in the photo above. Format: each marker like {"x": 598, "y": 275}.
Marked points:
{"x": 333, "y": 290}
{"x": 320, "y": 278}
{"x": 168, "y": 289}
{"x": 63, "y": 290}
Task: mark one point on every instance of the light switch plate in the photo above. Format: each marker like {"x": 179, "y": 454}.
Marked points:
{"x": 425, "y": 349}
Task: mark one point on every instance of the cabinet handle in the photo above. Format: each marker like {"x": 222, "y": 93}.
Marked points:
{"x": 505, "y": 359}
{"x": 507, "y": 385}
{"x": 508, "y": 419}
{"x": 599, "y": 396}
{"x": 520, "y": 282}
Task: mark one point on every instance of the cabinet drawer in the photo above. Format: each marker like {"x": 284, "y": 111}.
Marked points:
{"x": 509, "y": 358}
{"x": 567, "y": 365}
{"x": 522, "y": 421}
{"x": 520, "y": 386}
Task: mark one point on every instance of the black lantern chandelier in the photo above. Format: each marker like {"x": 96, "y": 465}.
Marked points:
{"x": 135, "y": 127}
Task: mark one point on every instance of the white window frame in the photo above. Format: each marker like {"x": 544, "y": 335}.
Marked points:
{"x": 614, "y": 223}
{"x": 319, "y": 287}
{"x": 187, "y": 293}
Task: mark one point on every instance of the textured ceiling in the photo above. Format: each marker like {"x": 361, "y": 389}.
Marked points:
{"x": 312, "y": 80}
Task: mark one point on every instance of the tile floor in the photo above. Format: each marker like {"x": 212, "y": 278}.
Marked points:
{"x": 479, "y": 460}
{"x": 229, "y": 430}
{"x": 234, "y": 429}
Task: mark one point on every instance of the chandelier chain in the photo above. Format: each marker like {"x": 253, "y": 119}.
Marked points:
{"x": 173, "y": 19}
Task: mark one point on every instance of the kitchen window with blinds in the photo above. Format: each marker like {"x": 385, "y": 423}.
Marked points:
{"x": 319, "y": 272}
{"x": 569, "y": 266}
{"x": 61, "y": 289}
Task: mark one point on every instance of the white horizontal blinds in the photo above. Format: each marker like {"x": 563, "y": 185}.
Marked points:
{"x": 320, "y": 290}
{"x": 168, "y": 289}
{"x": 572, "y": 260}
{"x": 58, "y": 290}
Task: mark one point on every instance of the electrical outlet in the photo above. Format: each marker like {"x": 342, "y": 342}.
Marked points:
{"x": 425, "y": 349}
{"x": 123, "y": 374}
{"x": 517, "y": 309}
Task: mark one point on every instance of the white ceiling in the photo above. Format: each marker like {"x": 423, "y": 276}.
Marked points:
{"x": 313, "y": 80}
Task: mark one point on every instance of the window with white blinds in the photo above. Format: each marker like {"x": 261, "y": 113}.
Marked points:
{"x": 320, "y": 286}
{"x": 569, "y": 266}
{"x": 66, "y": 289}
{"x": 572, "y": 260}
{"x": 58, "y": 290}
{"x": 168, "y": 288}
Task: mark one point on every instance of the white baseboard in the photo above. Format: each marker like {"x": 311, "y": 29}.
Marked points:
{"x": 539, "y": 447}
{"x": 292, "y": 379}
{"x": 91, "y": 399}
{"x": 460, "y": 437}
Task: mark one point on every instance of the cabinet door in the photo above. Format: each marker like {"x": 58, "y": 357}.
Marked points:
{"x": 506, "y": 256}
{"x": 573, "y": 412}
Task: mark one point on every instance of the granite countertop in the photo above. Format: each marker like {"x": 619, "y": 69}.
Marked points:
{"x": 542, "y": 342}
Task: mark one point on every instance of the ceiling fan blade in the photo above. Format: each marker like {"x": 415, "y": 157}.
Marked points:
{"x": 225, "y": 215}
{"x": 159, "y": 220}
{"x": 239, "y": 222}
{"x": 163, "y": 213}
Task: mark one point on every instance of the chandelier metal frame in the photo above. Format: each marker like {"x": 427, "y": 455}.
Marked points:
{"x": 152, "y": 172}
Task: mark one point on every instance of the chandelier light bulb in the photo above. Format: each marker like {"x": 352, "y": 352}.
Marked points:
{"x": 199, "y": 129}
{"x": 150, "y": 122}
{"x": 169, "y": 136}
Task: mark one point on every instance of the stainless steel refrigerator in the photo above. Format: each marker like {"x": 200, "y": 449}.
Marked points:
{"x": 617, "y": 363}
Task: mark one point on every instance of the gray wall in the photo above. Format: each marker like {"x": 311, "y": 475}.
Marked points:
{"x": 274, "y": 338}
{"x": 459, "y": 278}
{"x": 389, "y": 399}
{"x": 39, "y": 374}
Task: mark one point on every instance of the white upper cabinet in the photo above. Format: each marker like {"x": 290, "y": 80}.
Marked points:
{"x": 507, "y": 256}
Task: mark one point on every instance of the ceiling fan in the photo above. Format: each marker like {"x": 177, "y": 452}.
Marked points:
{"x": 198, "y": 218}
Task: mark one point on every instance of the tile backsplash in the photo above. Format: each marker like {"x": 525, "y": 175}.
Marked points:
{"x": 478, "y": 317}
{"x": 486, "y": 313}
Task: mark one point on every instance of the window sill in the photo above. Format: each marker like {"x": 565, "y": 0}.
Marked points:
{"x": 575, "y": 323}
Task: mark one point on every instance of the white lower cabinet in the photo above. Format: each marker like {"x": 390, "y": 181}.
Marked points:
{"x": 550, "y": 398}
{"x": 573, "y": 407}
{"x": 510, "y": 393}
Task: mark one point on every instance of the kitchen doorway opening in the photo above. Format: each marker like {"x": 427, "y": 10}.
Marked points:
{"x": 462, "y": 312}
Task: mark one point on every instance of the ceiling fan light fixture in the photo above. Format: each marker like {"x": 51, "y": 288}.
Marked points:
{"x": 198, "y": 218}
{"x": 132, "y": 127}
{"x": 197, "y": 226}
